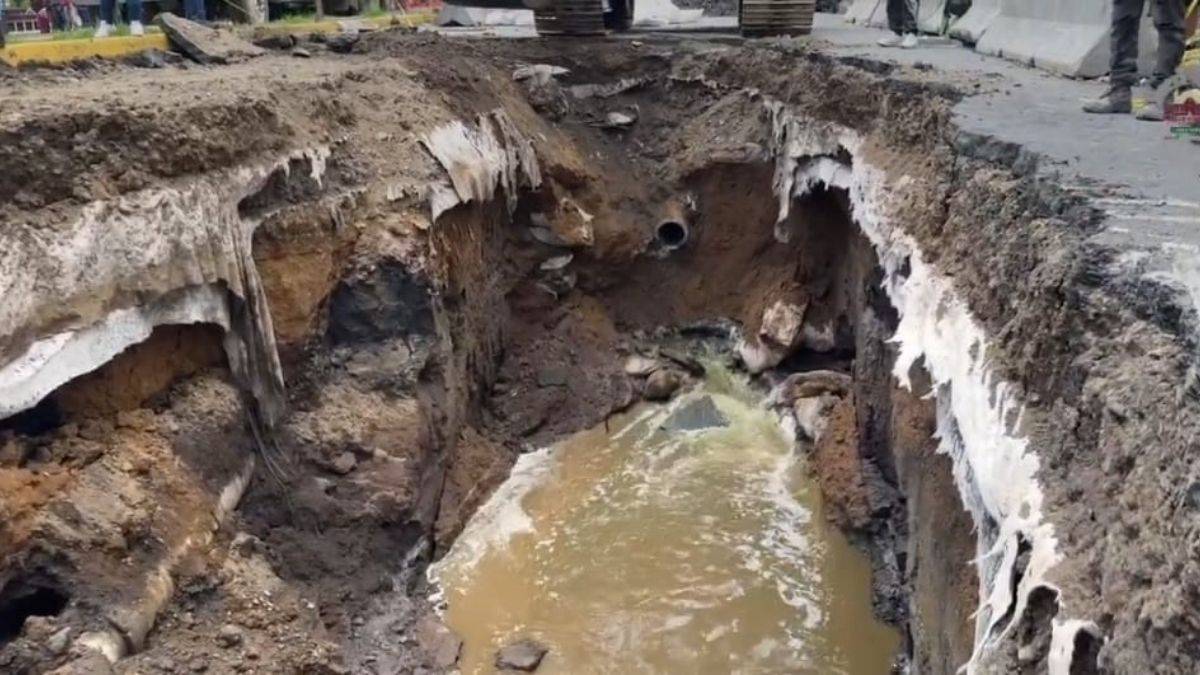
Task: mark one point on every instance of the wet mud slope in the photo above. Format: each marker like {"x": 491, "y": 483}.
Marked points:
{"x": 265, "y": 349}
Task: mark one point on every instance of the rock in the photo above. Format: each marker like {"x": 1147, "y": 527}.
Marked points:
{"x": 1192, "y": 495}
{"x": 283, "y": 41}
{"x": 343, "y": 464}
{"x": 812, "y": 414}
{"x": 781, "y": 324}
{"x": 556, "y": 263}
{"x": 559, "y": 283}
{"x": 812, "y": 383}
{"x": 204, "y": 44}
{"x": 440, "y": 645}
{"x": 300, "y": 52}
{"x": 619, "y": 120}
{"x": 640, "y": 366}
{"x": 662, "y": 385}
{"x": 59, "y": 642}
{"x": 696, "y": 415}
{"x": 689, "y": 364}
{"x": 343, "y": 43}
{"x": 758, "y": 356}
{"x": 540, "y": 70}
{"x": 246, "y": 544}
{"x": 525, "y": 655}
{"x": 151, "y": 58}
{"x": 229, "y": 636}
{"x": 539, "y": 228}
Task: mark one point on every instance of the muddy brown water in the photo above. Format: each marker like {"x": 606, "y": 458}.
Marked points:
{"x": 629, "y": 548}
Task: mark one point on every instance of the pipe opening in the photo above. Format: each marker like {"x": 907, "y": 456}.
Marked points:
{"x": 672, "y": 234}
{"x": 23, "y": 598}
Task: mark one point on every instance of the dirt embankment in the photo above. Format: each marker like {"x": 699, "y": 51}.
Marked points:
{"x": 422, "y": 357}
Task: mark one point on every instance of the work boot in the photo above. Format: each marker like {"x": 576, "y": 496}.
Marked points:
{"x": 1117, "y": 100}
{"x": 1151, "y": 109}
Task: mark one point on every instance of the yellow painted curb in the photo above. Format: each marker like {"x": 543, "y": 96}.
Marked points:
{"x": 61, "y": 51}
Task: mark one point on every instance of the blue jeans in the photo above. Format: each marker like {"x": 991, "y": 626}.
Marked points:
{"x": 194, "y": 10}
{"x": 133, "y": 10}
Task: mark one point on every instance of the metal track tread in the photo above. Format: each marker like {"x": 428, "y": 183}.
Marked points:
{"x": 760, "y": 18}
{"x": 571, "y": 17}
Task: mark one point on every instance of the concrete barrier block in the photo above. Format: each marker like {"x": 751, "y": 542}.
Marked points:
{"x": 1070, "y": 37}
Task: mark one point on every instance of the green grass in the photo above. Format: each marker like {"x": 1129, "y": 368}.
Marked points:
{"x": 298, "y": 17}
{"x": 77, "y": 34}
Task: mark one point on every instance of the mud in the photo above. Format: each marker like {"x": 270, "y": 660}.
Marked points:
{"x": 423, "y": 355}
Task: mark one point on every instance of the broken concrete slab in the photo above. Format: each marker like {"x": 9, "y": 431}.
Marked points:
{"x": 204, "y": 44}
{"x": 696, "y": 415}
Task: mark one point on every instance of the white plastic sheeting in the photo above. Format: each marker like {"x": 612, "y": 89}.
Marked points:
{"x": 979, "y": 414}
{"x": 81, "y": 293}
{"x": 479, "y": 160}
{"x": 53, "y": 361}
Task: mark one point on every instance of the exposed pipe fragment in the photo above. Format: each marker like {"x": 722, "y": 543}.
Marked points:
{"x": 674, "y": 228}
{"x": 130, "y": 625}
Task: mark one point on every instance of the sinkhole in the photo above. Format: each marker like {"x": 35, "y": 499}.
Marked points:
{"x": 643, "y": 424}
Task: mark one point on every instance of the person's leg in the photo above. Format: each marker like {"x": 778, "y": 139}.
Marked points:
{"x": 194, "y": 10}
{"x": 911, "y": 8}
{"x": 1126, "y": 18}
{"x": 133, "y": 14}
{"x": 107, "y": 10}
{"x": 1169, "y": 17}
{"x": 902, "y": 20}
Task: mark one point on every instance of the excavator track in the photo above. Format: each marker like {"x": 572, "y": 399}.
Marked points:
{"x": 571, "y": 17}
{"x": 762, "y": 18}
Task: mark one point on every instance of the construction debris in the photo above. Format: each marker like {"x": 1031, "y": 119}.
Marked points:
{"x": 204, "y": 44}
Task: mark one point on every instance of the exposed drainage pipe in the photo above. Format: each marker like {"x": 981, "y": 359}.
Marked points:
{"x": 129, "y": 626}
{"x": 674, "y": 228}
